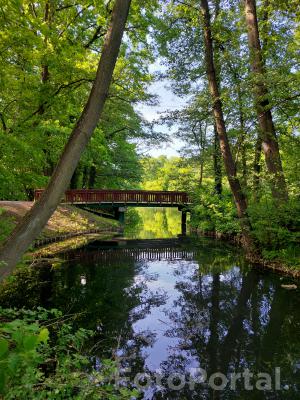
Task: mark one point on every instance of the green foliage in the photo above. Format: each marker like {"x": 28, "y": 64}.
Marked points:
{"x": 50, "y": 53}
{"x": 277, "y": 229}
{"x": 275, "y": 226}
{"x": 6, "y": 225}
{"x": 214, "y": 213}
{"x": 41, "y": 356}
{"x": 163, "y": 173}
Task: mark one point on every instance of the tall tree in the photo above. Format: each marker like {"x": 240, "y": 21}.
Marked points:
{"x": 269, "y": 140}
{"x": 239, "y": 198}
{"x": 32, "y": 224}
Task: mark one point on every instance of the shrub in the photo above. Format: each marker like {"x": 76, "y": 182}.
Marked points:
{"x": 214, "y": 213}
{"x": 41, "y": 356}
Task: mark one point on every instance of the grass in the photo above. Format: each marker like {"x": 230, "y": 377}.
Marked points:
{"x": 66, "y": 219}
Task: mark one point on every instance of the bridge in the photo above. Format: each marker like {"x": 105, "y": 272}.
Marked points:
{"x": 114, "y": 202}
{"x": 136, "y": 198}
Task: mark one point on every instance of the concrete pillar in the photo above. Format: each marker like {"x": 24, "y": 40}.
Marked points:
{"x": 120, "y": 214}
{"x": 121, "y": 217}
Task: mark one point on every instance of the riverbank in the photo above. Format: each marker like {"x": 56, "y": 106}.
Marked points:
{"x": 276, "y": 265}
{"x": 68, "y": 228}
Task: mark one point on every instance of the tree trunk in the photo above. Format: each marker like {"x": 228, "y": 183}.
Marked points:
{"x": 85, "y": 176}
{"x": 45, "y": 74}
{"x": 216, "y": 149}
{"x": 267, "y": 129}
{"x": 217, "y": 163}
{"x": 201, "y": 172}
{"x": 242, "y": 135}
{"x": 36, "y": 219}
{"x": 75, "y": 180}
{"x": 239, "y": 198}
{"x": 92, "y": 177}
{"x": 257, "y": 168}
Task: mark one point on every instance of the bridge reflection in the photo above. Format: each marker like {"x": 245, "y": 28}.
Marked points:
{"x": 135, "y": 250}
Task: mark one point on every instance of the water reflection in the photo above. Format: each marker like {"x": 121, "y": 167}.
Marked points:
{"x": 151, "y": 223}
{"x": 173, "y": 305}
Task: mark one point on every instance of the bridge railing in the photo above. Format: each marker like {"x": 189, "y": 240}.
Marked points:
{"x": 121, "y": 196}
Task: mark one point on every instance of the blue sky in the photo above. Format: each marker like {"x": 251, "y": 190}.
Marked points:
{"x": 167, "y": 101}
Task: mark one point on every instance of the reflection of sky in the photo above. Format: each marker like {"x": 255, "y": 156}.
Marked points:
{"x": 158, "y": 321}
{"x": 167, "y": 101}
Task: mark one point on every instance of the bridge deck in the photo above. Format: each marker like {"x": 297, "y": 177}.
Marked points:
{"x": 123, "y": 197}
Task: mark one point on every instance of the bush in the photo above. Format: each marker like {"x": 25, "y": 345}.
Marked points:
{"x": 213, "y": 213}
{"x": 275, "y": 227}
{"x": 41, "y": 356}
{"x": 6, "y": 225}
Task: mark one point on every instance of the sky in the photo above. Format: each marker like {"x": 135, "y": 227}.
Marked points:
{"x": 167, "y": 101}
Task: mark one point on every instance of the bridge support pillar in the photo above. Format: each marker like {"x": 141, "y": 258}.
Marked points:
{"x": 183, "y": 223}
{"x": 120, "y": 214}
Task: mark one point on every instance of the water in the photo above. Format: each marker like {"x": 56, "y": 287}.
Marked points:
{"x": 172, "y": 306}
{"x": 151, "y": 223}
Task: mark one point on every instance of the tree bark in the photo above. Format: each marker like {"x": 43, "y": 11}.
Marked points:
{"x": 239, "y": 198}
{"x": 265, "y": 119}
{"x": 216, "y": 149}
{"x": 242, "y": 135}
{"x": 35, "y": 220}
{"x": 257, "y": 168}
{"x": 217, "y": 163}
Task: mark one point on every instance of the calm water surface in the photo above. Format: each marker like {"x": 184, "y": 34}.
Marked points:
{"x": 172, "y": 306}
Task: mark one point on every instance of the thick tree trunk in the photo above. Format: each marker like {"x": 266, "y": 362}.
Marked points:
{"x": 267, "y": 129}
{"x": 32, "y": 224}
{"x": 239, "y": 198}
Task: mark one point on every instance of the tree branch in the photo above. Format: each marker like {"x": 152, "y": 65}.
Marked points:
{"x": 58, "y": 90}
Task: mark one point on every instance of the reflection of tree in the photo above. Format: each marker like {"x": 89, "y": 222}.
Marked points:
{"x": 106, "y": 297}
{"x": 29, "y": 288}
{"x": 223, "y": 317}
{"x": 230, "y": 344}
{"x": 155, "y": 223}
{"x": 111, "y": 301}
{"x": 245, "y": 324}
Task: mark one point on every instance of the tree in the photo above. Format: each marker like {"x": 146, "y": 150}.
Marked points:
{"x": 36, "y": 219}
{"x": 267, "y": 132}
{"x": 239, "y": 198}
{"x": 38, "y": 113}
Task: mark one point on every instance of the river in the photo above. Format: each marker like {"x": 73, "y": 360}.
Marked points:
{"x": 182, "y": 316}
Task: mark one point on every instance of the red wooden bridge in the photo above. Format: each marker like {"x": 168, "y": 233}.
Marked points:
{"x": 142, "y": 198}
{"x": 113, "y": 203}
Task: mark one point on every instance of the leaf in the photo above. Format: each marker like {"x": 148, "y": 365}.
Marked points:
{"x": 2, "y": 381}
{"x": 30, "y": 342}
{"x": 13, "y": 361}
{"x": 3, "y": 347}
{"x": 43, "y": 335}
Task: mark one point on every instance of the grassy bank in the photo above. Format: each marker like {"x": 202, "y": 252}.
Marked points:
{"x": 66, "y": 221}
